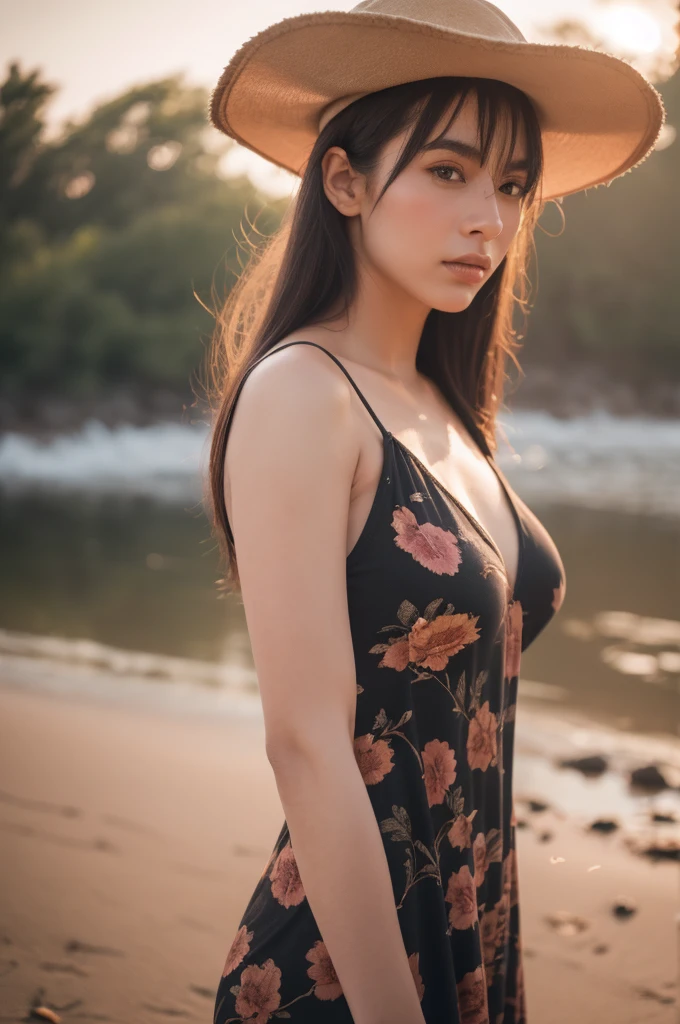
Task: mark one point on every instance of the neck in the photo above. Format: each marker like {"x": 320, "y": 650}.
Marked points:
{"x": 383, "y": 327}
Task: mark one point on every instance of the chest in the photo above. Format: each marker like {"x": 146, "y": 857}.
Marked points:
{"x": 421, "y": 552}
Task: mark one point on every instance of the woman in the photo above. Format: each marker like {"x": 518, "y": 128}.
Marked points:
{"x": 390, "y": 576}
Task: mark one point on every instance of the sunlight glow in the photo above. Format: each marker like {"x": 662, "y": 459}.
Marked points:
{"x": 79, "y": 186}
{"x": 162, "y": 157}
{"x": 272, "y": 180}
{"x": 630, "y": 29}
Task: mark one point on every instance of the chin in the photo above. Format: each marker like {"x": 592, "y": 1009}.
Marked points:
{"x": 454, "y": 303}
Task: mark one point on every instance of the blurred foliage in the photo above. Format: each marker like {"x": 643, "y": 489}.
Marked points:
{"x": 107, "y": 230}
{"x": 607, "y": 286}
{"x": 105, "y": 234}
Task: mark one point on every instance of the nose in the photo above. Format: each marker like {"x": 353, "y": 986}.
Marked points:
{"x": 482, "y": 214}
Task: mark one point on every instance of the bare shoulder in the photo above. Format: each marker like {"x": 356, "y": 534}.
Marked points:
{"x": 294, "y": 393}
{"x": 293, "y": 432}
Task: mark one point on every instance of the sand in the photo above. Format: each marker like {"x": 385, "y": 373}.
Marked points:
{"x": 133, "y": 829}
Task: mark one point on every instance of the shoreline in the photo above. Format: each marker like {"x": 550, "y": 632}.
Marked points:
{"x": 136, "y": 818}
{"x": 563, "y": 391}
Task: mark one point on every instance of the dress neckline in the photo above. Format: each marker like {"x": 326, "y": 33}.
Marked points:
{"x": 472, "y": 519}
{"x": 388, "y": 436}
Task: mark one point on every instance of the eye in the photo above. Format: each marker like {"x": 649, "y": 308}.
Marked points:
{"x": 523, "y": 189}
{"x": 445, "y": 167}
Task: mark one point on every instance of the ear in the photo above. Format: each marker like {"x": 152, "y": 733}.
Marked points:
{"x": 344, "y": 187}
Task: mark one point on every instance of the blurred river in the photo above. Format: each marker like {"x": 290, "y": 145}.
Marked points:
{"x": 103, "y": 537}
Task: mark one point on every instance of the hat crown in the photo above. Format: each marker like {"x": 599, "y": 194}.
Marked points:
{"x": 473, "y": 17}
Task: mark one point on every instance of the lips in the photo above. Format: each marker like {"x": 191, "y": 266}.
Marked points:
{"x": 474, "y": 260}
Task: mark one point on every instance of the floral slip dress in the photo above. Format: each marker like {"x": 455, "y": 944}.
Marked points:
{"x": 437, "y": 639}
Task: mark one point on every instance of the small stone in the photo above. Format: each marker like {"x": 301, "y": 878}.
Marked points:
{"x": 604, "y": 825}
{"x": 657, "y": 847}
{"x": 592, "y": 765}
{"x": 648, "y": 777}
{"x": 624, "y": 907}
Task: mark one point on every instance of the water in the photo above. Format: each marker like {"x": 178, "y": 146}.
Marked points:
{"x": 104, "y": 537}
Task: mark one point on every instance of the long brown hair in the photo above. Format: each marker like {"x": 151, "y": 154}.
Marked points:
{"x": 307, "y": 267}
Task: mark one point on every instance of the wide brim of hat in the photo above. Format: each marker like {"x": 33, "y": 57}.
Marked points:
{"x": 599, "y": 116}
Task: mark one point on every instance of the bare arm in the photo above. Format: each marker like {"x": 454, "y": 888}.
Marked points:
{"x": 291, "y": 456}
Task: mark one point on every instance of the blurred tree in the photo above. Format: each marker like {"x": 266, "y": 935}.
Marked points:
{"x": 22, "y": 98}
{"x": 108, "y": 230}
{"x": 607, "y": 285}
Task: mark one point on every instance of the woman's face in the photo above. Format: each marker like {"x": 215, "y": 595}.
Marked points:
{"x": 442, "y": 206}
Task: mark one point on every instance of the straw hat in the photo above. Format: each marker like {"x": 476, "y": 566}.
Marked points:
{"x": 599, "y": 117}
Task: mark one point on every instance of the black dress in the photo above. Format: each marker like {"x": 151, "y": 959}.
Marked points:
{"x": 437, "y": 639}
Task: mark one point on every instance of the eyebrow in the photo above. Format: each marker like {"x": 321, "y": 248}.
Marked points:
{"x": 471, "y": 152}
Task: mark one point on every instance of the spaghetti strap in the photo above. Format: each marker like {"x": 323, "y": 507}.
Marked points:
{"x": 385, "y": 433}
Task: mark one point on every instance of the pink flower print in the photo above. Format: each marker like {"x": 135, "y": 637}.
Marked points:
{"x": 472, "y": 999}
{"x": 239, "y": 947}
{"x": 323, "y": 973}
{"x": 481, "y": 741}
{"x": 461, "y": 893}
{"x": 460, "y": 832}
{"x": 513, "y": 639}
{"x": 374, "y": 758}
{"x": 417, "y": 980}
{"x": 285, "y": 879}
{"x": 259, "y": 991}
{"x": 430, "y": 545}
{"x": 440, "y": 770}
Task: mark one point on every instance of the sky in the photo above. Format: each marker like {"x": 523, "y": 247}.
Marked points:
{"x": 94, "y": 51}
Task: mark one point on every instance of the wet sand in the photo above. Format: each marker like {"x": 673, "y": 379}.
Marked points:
{"x": 132, "y": 833}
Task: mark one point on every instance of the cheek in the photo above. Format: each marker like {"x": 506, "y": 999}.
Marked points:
{"x": 512, "y": 216}
{"x": 408, "y": 230}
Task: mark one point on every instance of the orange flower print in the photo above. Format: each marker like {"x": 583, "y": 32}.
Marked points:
{"x": 259, "y": 991}
{"x": 510, "y": 876}
{"x": 479, "y": 854}
{"x": 481, "y": 741}
{"x": 461, "y": 893}
{"x": 461, "y": 831}
{"x": 430, "y": 545}
{"x": 440, "y": 770}
{"x": 418, "y": 981}
{"x": 285, "y": 879}
{"x": 397, "y": 655}
{"x": 472, "y": 998}
{"x": 374, "y": 758}
{"x": 239, "y": 947}
{"x": 493, "y": 928}
{"x": 322, "y": 972}
{"x": 513, "y": 639}
{"x": 431, "y": 644}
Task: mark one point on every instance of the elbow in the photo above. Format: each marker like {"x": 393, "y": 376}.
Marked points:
{"x": 297, "y": 752}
